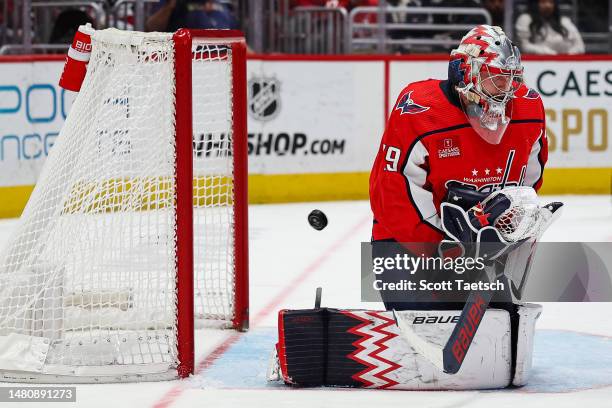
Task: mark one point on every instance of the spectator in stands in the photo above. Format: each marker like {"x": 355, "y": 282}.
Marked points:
{"x": 496, "y": 10}
{"x": 543, "y": 31}
{"x": 363, "y": 3}
{"x": 346, "y": 4}
{"x": 170, "y": 15}
{"x": 407, "y": 18}
{"x": 66, "y": 25}
{"x": 321, "y": 3}
{"x": 455, "y": 19}
{"x": 1, "y": 13}
{"x": 494, "y": 7}
{"x": 4, "y": 31}
{"x": 364, "y": 18}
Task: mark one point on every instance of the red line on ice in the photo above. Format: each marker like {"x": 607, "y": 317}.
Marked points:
{"x": 272, "y": 306}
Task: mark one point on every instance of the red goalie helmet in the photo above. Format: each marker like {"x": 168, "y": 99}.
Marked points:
{"x": 486, "y": 71}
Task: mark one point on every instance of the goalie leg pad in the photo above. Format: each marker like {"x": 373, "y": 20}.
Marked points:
{"x": 302, "y": 346}
{"x": 366, "y": 349}
{"x": 528, "y": 313}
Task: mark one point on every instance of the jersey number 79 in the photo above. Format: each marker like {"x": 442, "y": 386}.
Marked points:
{"x": 392, "y": 157}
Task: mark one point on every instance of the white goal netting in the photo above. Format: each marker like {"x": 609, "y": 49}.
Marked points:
{"x": 88, "y": 282}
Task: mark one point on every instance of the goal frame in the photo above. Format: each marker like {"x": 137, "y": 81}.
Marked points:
{"x": 183, "y": 39}
{"x": 106, "y": 347}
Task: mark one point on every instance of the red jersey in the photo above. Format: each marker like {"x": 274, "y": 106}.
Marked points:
{"x": 428, "y": 143}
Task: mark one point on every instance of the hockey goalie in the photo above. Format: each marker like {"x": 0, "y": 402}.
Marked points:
{"x": 456, "y": 175}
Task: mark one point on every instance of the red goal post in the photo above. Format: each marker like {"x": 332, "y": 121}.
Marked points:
{"x": 184, "y": 57}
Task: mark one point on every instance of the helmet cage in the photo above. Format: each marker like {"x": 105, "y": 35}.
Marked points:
{"x": 496, "y": 85}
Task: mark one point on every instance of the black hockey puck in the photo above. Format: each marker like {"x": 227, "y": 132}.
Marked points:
{"x": 317, "y": 220}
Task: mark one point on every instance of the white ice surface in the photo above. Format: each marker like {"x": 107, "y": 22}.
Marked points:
{"x": 289, "y": 259}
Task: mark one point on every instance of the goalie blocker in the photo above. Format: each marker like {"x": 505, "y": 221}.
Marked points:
{"x": 366, "y": 349}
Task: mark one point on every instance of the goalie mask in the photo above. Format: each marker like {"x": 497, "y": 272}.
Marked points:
{"x": 486, "y": 71}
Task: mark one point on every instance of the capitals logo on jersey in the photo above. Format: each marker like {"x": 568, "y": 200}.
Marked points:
{"x": 407, "y": 105}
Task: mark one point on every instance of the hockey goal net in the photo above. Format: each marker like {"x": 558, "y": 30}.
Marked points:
{"x": 138, "y": 222}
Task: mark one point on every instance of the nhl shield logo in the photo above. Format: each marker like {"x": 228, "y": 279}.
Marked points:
{"x": 264, "y": 98}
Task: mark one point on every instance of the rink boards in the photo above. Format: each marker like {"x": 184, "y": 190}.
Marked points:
{"x": 315, "y": 122}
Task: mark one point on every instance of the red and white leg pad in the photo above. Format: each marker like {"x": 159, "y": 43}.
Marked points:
{"x": 365, "y": 348}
